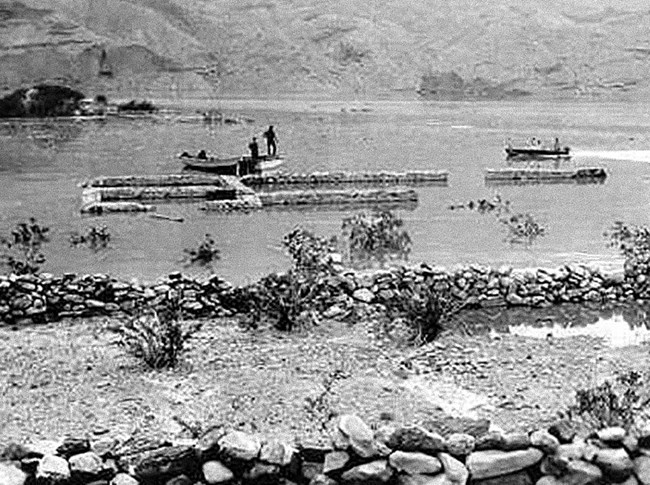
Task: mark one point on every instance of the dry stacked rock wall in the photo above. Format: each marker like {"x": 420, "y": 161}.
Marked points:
{"x": 356, "y": 455}
{"x": 46, "y": 297}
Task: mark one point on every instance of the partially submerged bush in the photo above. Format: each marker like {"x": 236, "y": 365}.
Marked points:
{"x": 95, "y": 238}
{"x": 291, "y": 300}
{"x": 156, "y": 335}
{"x": 611, "y": 403}
{"x": 375, "y": 236}
{"x": 522, "y": 227}
{"x": 21, "y": 251}
{"x": 632, "y": 241}
{"x": 205, "y": 253}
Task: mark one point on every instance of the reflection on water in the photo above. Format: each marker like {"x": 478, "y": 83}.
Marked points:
{"x": 615, "y": 331}
{"x": 618, "y": 326}
{"x": 46, "y": 134}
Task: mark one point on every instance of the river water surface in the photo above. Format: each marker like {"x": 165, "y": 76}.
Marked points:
{"x": 42, "y": 164}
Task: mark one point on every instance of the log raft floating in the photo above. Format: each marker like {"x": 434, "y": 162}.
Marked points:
{"x": 546, "y": 175}
{"x": 340, "y": 197}
{"x": 437, "y": 177}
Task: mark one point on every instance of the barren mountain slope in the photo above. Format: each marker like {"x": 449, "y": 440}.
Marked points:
{"x": 555, "y": 47}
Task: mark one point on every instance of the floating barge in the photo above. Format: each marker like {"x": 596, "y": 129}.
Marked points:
{"x": 336, "y": 178}
{"x": 546, "y": 175}
{"x": 224, "y": 193}
{"x": 309, "y": 198}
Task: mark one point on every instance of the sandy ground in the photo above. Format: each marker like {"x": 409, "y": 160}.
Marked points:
{"x": 71, "y": 378}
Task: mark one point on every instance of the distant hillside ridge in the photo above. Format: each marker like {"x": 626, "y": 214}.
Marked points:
{"x": 445, "y": 50}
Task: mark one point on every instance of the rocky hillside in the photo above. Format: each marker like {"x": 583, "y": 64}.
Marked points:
{"x": 440, "y": 48}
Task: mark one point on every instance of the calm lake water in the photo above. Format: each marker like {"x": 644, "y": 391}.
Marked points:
{"x": 42, "y": 163}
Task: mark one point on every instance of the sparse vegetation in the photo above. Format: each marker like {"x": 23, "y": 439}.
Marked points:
{"x": 291, "y": 300}
{"x": 95, "y": 238}
{"x": 156, "y": 335}
{"x": 375, "y": 236}
{"x": 632, "y": 241}
{"x": 522, "y": 227}
{"x": 422, "y": 309}
{"x": 205, "y": 254}
{"x": 21, "y": 251}
{"x": 611, "y": 403}
{"x": 321, "y": 407}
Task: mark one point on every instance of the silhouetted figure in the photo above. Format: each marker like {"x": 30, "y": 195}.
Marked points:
{"x": 255, "y": 150}
{"x": 271, "y": 139}
{"x": 202, "y": 155}
{"x": 556, "y": 146}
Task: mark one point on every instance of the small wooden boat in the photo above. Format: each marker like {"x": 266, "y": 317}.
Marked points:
{"x": 231, "y": 165}
{"x": 537, "y": 153}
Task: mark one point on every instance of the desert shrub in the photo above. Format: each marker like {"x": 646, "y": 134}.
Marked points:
{"x": 611, "y": 403}
{"x": 375, "y": 236}
{"x": 290, "y": 300}
{"x": 204, "y": 254}
{"x": 21, "y": 251}
{"x": 156, "y": 335}
{"x": 95, "y": 238}
{"x": 632, "y": 241}
{"x": 422, "y": 309}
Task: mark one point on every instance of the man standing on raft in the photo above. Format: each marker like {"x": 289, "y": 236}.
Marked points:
{"x": 271, "y": 139}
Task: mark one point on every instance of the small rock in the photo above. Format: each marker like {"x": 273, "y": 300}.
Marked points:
{"x": 460, "y": 444}
{"x": 492, "y": 463}
{"x": 216, "y": 472}
{"x": 364, "y": 295}
{"x": 414, "y": 463}
{"x": 582, "y": 473}
{"x": 642, "y": 469}
{"x": 515, "y": 441}
{"x": 322, "y": 480}
{"x": 208, "y": 444}
{"x": 52, "y": 469}
{"x": 416, "y": 438}
{"x": 124, "y": 479}
{"x": 454, "y": 470}
{"x": 492, "y": 440}
{"x": 335, "y": 461}
{"x": 615, "y": 463}
{"x": 240, "y": 446}
{"x": 375, "y": 472}
{"x": 545, "y": 441}
{"x": 277, "y": 453}
{"x": 11, "y": 475}
{"x": 614, "y": 434}
{"x": 87, "y": 464}
{"x": 359, "y": 434}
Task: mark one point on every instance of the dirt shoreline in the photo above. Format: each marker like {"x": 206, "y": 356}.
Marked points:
{"x": 69, "y": 378}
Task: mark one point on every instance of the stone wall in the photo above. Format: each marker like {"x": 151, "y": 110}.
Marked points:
{"x": 46, "y": 297}
{"x": 355, "y": 455}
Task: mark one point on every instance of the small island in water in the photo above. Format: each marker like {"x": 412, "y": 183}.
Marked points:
{"x": 43, "y": 100}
